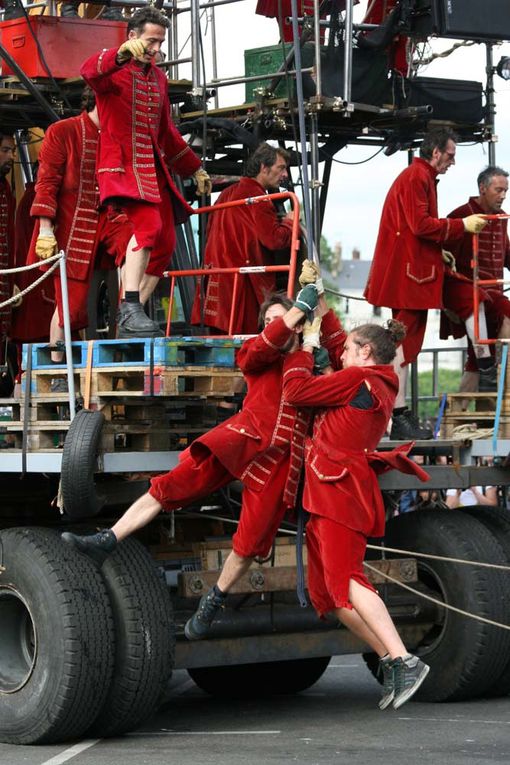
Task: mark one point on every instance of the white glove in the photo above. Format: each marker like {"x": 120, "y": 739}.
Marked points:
{"x": 203, "y": 181}
{"x": 312, "y": 332}
{"x": 311, "y": 274}
{"x": 132, "y": 48}
{"x": 473, "y": 224}
{"x": 449, "y": 259}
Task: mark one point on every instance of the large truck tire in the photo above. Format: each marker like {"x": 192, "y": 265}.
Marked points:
{"x": 144, "y": 639}
{"x": 79, "y": 458}
{"x": 497, "y": 520}
{"x": 466, "y": 656}
{"x": 56, "y": 639}
{"x": 265, "y": 679}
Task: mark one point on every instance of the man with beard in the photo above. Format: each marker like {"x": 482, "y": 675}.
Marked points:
{"x": 244, "y": 236}
{"x": 262, "y": 446}
{"x": 493, "y": 257}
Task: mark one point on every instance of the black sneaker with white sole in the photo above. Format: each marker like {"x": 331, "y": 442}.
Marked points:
{"x": 408, "y": 674}
{"x": 199, "y": 625}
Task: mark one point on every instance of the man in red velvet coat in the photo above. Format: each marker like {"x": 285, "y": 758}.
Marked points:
{"x": 7, "y": 208}
{"x": 410, "y": 272}
{"x": 493, "y": 256}
{"x": 68, "y": 215}
{"x": 262, "y": 446}
{"x": 139, "y": 148}
{"x": 244, "y": 236}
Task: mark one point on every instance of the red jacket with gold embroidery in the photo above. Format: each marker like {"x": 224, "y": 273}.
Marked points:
{"x": 341, "y": 461}
{"x": 66, "y": 191}
{"x": 137, "y": 133}
{"x": 7, "y": 207}
{"x": 267, "y": 429}
{"x": 407, "y": 269}
{"x": 240, "y": 236}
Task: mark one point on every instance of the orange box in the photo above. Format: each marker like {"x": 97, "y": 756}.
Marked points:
{"x": 65, "y": 43}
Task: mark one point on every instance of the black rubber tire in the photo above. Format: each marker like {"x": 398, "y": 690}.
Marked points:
{"x": 56, "y": 639}
{"x": 497, "y": 520}
{"x": 79, "y": 463}
{"x": 466, "y": 656}
{"x": 266, "y": 679}
{"x": 144, "y": 639}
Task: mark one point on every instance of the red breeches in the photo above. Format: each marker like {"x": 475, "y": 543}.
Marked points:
{"x": 335, "y": 556}
{"x": 110, "y": 245}
{"x": 261, "y": 512}
{"x": 154, "y": 228}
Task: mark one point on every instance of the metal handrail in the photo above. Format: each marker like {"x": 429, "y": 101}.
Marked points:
{"x": 290, "y": 268}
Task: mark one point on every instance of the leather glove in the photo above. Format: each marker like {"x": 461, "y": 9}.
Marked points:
{"x": 46, "y": 244}
{"x": 307, "y": 299}
{"x": 312, "y": 332}
{"x": 203, "y": 181}
{"x": 449, "y": 259}
{"x": 132, "y": 48}
{"x": 473, "y": 224}
{"x": 16, "y": 291}
{"x": 311, "y": 274}
{"x": 320, "y": 359}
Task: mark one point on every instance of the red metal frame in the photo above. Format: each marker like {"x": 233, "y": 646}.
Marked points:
{"x": 290, "y": 268}
{"x": 487, "y": 282}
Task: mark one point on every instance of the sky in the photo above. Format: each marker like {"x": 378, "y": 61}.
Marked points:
{"x": 357, "y": 192}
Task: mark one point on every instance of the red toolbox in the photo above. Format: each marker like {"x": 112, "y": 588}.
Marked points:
{"x": 65, "y": 43}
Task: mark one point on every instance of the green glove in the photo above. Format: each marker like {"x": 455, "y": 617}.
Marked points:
{"x": 320, "y": 360}
{"x": 307, "y": 299}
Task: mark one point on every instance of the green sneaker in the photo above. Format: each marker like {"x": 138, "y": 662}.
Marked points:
{"x": 408, "y": 675}
{"x": 386, "y": 672}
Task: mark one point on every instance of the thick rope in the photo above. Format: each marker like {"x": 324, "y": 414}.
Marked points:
{"x": 440, "y": 602}
{"x": 19, "y": 295}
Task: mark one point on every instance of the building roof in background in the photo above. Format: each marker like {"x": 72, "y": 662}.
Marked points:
{"x": 353, "y": 276}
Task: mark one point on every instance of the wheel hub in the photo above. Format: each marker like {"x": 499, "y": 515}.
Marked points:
{"x": 18, "y": 641}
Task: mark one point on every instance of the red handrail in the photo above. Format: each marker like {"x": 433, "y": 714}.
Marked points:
{"x": 477, "y": 282}
{"x": 290, "y": 268}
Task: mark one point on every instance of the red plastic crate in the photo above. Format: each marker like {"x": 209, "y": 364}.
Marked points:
{"x": 65, "y": 43}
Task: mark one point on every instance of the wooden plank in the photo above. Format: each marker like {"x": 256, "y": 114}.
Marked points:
{"x": 194, "y": 584}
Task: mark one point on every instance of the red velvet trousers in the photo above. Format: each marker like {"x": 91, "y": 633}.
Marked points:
{"x": 335, "y": 556}
{"x": 261, "y": 511}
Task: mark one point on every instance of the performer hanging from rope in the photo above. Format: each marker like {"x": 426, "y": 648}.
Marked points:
{"x": 68, "y": 216}
{"x": 139, "y": 148}
{"x": 353, "y": 406}
{"x": 244, "y": 236}
{"x": 262, "y": 446}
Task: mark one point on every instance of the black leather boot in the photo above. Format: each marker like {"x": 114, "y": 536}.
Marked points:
{"x": 406, "y": 427}
{"x": 96, "y": 546}
{"x": 132, "y": 321}
{"x": 488, "y": 382}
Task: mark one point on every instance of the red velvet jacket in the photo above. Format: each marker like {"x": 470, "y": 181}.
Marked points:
{"x": 407, "y": 268}
{"x": 236, "y": 237}
{"x": 494, "y": 245}
{"x": 137, "y": 134}
{"x": 66, "y": 191}
{"x": 341, "y": 461}
{"x": 251, "y": 443}
{"x": 7, "y": 208}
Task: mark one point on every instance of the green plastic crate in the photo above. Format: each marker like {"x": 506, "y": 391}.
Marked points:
{"x": 264, "y": 61}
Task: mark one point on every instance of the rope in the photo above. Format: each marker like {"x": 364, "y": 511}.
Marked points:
{"x": 19, "y": 295}
{"x": 470, "y": 431}
{"x": 391, "y": 579}
{"x": 413, "y": 553}
{"x": 440, "y": 602}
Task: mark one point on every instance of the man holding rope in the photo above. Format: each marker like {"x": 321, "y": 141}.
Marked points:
{"x": 353, "y": 406}
{"x": 262, "y": 446}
